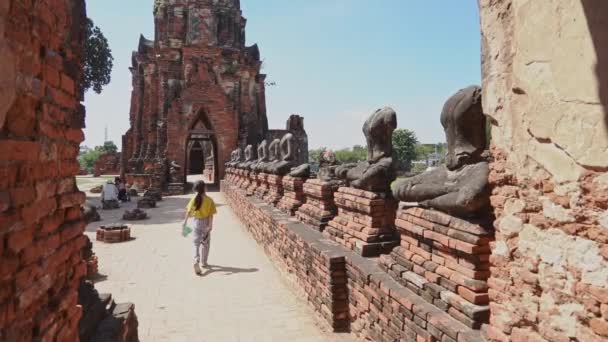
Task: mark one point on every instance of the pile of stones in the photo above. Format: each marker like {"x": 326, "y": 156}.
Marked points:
{"x": 103, "y": 319}
{"x": 134, "y": 215}
{"x": 109, "y": 205}
{"x": 91, "y": 259}
{"x": 149, "y": 200}
{"x": 90, "y": 213}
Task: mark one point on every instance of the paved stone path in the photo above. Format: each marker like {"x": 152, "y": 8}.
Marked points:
{"x": 242, "y": 298}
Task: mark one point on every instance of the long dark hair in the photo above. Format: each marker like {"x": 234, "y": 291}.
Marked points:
{"x": 199, "y": 187}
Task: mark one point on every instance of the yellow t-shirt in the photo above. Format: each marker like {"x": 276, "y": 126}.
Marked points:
{"x": 207, "y": 208}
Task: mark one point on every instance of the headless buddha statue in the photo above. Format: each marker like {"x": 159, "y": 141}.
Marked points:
{"x": 262, "y": 157}
{"x": 238, "y": 157}
{"x": 287, "y": 156}
{"x": 246, "y": 164}
{"x": 273, "y": 155}
{"x": 461, "y": 186}
{"x": 377, "y": 172}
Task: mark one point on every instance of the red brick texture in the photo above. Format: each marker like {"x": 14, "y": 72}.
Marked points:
{"x": 320, "y": 206}
{"x": 113, "y": 233}
{"x": 549, "y": 260}
{"x": 275, "y": 189}
{"x": 262, "y": 187}
{"x": 351, "y": 292}
{"x": 41, "y": 227}
{"x": 445, "y": 260}
{"x": 108, "y": 164}
{"x": 365, "y": 222}
{"x": 293, "y": 195}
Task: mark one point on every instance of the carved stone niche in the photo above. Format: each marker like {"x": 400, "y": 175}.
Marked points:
{"x": 460, "y": 187}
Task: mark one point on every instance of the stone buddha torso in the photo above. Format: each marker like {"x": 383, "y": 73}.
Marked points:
{"x": 262, "y": 157}
{"x": 460, "y": 187}
{"x": 377, "y": 172}
{"x": 273, "y": 155}
{"x": 287, "y": 156}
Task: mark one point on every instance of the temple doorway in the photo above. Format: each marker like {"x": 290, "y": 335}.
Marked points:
{"x": 201, "y": 161}
{"x": 197, "y": 159}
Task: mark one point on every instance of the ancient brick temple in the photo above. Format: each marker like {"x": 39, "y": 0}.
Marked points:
{"x": 539, "y": 274}
{"x": 196, "y": 88}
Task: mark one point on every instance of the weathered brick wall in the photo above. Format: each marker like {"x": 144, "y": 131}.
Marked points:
{"x": 108, "y": 164}
{"x": 317, "y": 268}
{"x": 383, "y": 310}
{"x": 351, "y": 292}
{"x": 445, "y": 260}
{"x": 40, "y": 131}
{"x": 545, "y": 87}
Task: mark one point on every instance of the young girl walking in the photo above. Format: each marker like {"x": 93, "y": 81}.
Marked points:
{"x": 202, "y": 208}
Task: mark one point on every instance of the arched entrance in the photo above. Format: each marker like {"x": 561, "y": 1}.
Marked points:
{"x": 201, "y": 152}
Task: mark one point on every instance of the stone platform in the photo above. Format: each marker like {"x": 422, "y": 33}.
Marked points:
{"x": 445, "y": 260}
{"x": 320, "y": 207}
{"x": 262, "y": 188}
{"x": 113, "y": 233}
{"x": 293, "y": 195}
{"x": 275, "y": 189}
{"x": 244, "y": 180}
{"x": 365, "y": 222}
{"x": 254, "y": 183}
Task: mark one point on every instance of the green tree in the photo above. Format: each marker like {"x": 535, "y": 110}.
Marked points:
{"x": 423, "y": 151}
{"x": 404, "y": 147}
{"x": 88, "y": 159}
{"x": 98, "y": 59}
{"x": 351, "y": 155}
{"x": 108, "y": 147}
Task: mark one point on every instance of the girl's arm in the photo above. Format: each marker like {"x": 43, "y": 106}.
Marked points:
{"x": 211, "y": 223}
{"x": 186, "y": 218}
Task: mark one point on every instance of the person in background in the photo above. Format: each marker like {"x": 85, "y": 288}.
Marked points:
{"x": 109, "y": 192}
{"x": 122, "y": 189}
{"x": 202, "y": 208}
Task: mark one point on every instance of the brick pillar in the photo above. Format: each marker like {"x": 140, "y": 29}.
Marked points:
{"x": 41, "y": 228}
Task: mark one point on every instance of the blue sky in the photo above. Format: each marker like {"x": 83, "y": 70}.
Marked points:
{"x": 334, "y": 62}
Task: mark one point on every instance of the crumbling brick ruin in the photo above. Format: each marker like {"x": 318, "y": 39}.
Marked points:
{"x": 41, "y": 120}
{"x": 544, "y": 90}
{"x": 108, "y": 164}
{"x": 195, "y": 82}
{"x": 42, "y": 245}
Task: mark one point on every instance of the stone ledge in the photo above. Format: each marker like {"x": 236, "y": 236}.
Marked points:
{"x": 351, "y": 292}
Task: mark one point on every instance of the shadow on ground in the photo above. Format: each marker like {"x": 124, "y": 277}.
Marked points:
{"x": 225, "y": 270}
